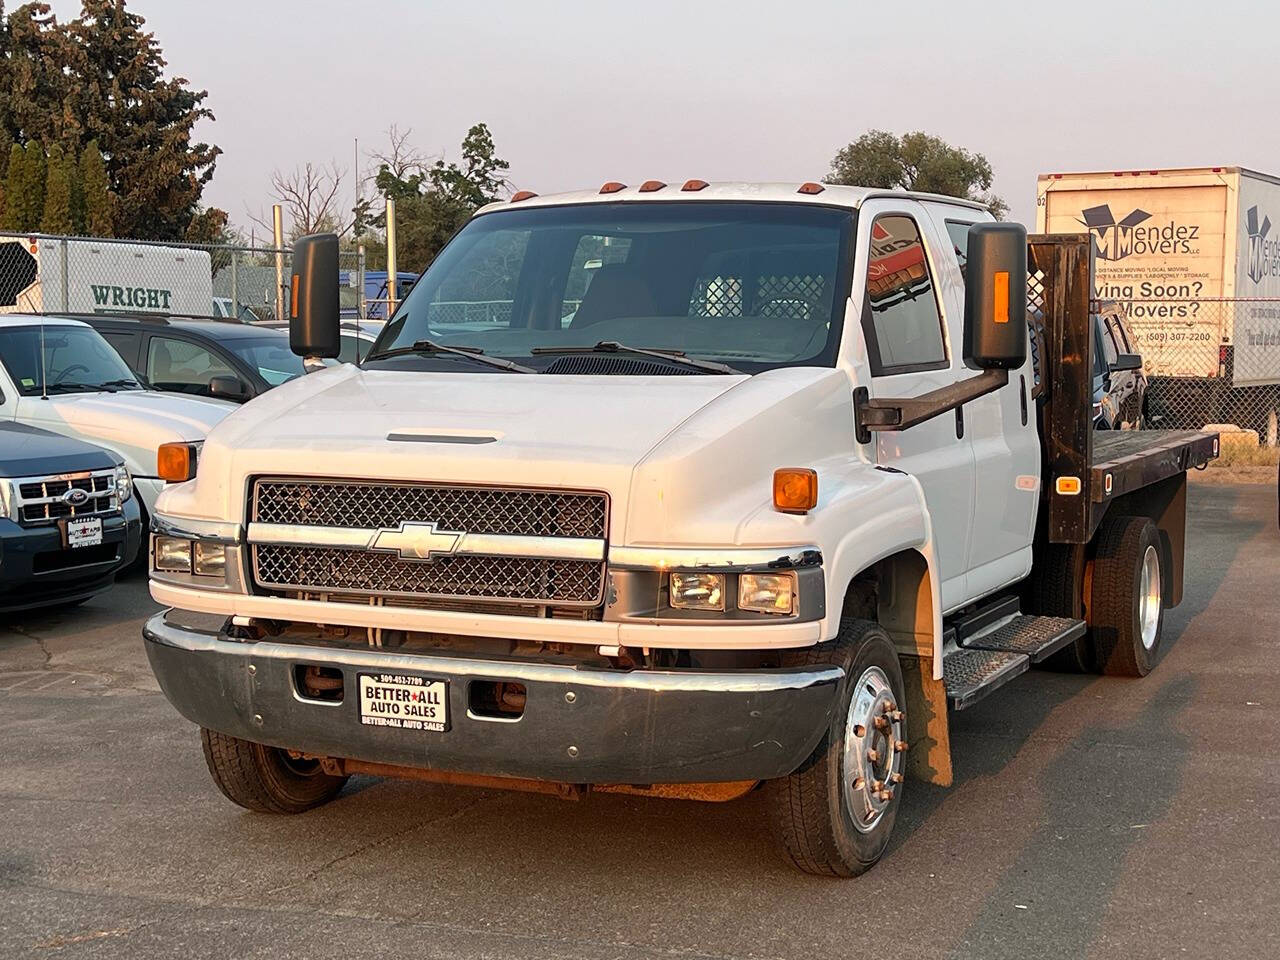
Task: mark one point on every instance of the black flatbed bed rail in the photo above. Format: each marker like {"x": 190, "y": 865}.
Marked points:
{"x": 1128, "y": 460}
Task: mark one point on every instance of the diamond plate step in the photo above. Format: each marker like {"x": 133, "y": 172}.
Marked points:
{"x": 970, "y": 675}
{"x": 1037, "y": 637}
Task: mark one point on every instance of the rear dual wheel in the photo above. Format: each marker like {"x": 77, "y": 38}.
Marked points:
{"x": 1127, "y": 598}
{"x": 834, "y": 816}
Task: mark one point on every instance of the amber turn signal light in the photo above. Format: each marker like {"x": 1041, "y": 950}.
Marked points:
{"x": 795, "y": 489}
{"x": 176, "y": 462}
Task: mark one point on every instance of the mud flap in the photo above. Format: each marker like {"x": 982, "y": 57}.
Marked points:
{"x": 929, "y": 758}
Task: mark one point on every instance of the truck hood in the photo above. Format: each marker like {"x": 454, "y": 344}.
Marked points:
{"x": 27, "y": 451}
{"x": 131, "y": 423}
{"x": 497, "y": 429}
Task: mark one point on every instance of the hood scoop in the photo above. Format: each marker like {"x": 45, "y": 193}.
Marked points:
{"x": 440, "y": 438}
{"x": 595, "y": 365}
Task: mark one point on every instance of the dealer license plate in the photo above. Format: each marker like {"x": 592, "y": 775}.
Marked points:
{"x": 86, "y": 532}
{"x": 404, "y": 701}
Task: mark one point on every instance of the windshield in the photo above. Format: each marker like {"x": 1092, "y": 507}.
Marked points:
{"x": 76, "y": 359}
{"x": 754, "y": 285}
{"x": 269, "y": 355}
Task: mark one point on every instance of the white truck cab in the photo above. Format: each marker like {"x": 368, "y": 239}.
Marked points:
{"x": 61, "y": 375}
{"x": 671, "y": 491}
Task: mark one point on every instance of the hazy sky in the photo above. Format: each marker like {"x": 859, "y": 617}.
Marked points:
{"x": 577, "y": 94}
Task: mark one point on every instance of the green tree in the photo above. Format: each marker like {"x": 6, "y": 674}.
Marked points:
{"x": 433, "y": 201}
{"x": 33, "y": 186}
{"x": 915, "y": 161}
{"x": 99, "y": 203}
{"x": 15, "y": 190}
{"x": 142, "y": 121}
{"x": 57, "y": 216}
{"x": 102, "y": 76}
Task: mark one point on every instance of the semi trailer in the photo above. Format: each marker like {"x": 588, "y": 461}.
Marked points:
{"x": 799, "y": 471}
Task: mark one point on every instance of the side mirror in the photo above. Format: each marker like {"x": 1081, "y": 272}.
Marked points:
{"x": 995, "y": 297}
{"x": 228, "y": 388}
{"x": 313, "y": 299}
{"x": 1127, "y": 361}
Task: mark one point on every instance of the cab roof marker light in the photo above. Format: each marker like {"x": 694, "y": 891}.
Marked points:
{"x": 613, "y": 186}
{"x": 811, "y": 188}
{"x": 651, "y": 186}
{"x": 692, "y": 185}
{"x": 523, "y": 195}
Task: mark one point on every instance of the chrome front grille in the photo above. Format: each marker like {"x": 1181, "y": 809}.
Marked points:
{"x": 515, "y": 546}
{"x": 472, "y": 577}
{"x": 48, "y": 499}
{"x": 340, "y": 503}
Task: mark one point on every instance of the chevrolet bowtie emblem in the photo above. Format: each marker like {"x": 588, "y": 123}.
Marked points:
{"x": 416, "y": 541}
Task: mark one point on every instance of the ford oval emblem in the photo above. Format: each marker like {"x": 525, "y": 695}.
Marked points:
{"x": 75, "y": 497}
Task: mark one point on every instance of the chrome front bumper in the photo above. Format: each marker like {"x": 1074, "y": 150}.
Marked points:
{"x": 579, "y": 725}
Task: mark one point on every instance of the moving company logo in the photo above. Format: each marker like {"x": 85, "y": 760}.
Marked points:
{"x": 1115, "y": 241}
{"x": 1264, "y": 254}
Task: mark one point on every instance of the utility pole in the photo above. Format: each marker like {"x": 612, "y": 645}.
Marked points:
{"x": 391, "y": 257}
{"x": 277, "y": 227}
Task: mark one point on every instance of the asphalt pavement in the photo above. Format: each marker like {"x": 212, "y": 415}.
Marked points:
{"x": 1091, "y": 817}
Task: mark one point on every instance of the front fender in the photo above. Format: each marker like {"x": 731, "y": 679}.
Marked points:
{"x": 878, "y": 513}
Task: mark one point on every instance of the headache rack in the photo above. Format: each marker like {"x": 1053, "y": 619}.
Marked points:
{"x": 1085, "y": 470}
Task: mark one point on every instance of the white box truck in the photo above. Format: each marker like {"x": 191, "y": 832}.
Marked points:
{"x": 788, "y": 485}
{"x": 80, "y": 276}
{"x": 1194, "y": 256}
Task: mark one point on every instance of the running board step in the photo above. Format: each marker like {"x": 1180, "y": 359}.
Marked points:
{"x": 969, "y": 675}
{"x": 1037, "y": 637}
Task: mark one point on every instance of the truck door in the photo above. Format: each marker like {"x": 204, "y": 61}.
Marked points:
{"x": 913, "y": 342}
{"x": 1006, "y": 448}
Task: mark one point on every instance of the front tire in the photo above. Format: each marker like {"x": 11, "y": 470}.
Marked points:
{"x": 266, "y": 779}
{"x": 1127, "y": 608}
{"x": 834, "y": 815}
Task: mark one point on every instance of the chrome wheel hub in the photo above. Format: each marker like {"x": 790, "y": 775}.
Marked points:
{"x": 1149, "y": 597}
{"x": 873, "y": 749}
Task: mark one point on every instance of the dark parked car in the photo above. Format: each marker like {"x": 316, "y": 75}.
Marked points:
{"x": 208, "y": 358}
{"x": 68, "y": 518}
{"x": 1119, "y": 385}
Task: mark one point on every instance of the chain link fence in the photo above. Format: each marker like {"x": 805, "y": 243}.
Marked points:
{"x": 1210, "y": 361}
{"x": 71, "y": 276}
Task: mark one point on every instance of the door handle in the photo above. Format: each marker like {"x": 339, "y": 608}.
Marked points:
{"x": 960, "y": 422}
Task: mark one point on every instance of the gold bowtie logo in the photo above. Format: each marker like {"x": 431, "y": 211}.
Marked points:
{"x": 416, "y": 541}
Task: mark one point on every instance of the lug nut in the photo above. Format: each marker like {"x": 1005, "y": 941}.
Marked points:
{"x": 897, "y": 716}
{"x": 877, "y": 785}
{"x": 901, "y": 747}
{"x": 895, "y": 778}
{"x": 881, "y": 723}
{"x": 885, "y": 796}
{"x": 890, "y": 707}
{"x": 873, "y": 756}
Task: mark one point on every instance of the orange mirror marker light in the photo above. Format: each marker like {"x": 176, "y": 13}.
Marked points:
{"x": 176, "y": 462}
{"x": 613, "y": 186}
{"x": 650, "y": 186}
{"x": 795, "y": 489}
{"x": 1001, "y": 280}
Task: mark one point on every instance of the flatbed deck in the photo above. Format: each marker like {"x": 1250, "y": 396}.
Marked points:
{"x": 1128, "y": 460}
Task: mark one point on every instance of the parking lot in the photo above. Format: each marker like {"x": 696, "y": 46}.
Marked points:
{"x": 1091, "y": 817}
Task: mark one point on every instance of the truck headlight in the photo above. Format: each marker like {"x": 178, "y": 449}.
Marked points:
{"x": 124, "y": 483}
{"x": 209, "y": 559}
{"x": 697, "y": 591}
{"x": 173, "y": 554}
{"x": 767, "y": 592}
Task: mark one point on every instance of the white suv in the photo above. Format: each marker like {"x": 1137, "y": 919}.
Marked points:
{"x": 61, "y": 375}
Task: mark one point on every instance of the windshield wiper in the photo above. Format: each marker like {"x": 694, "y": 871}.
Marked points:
{"x": 76, "y": 388}
{"x": 430, "y": 347}
{"x": 122, "y": 382}
{"x": 613, "y": 346}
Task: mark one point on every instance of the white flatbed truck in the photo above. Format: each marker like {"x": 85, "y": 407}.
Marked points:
{"x": 803, "y": 469}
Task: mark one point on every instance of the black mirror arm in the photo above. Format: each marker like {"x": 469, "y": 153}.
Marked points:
{"x": 901, "y": 413}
